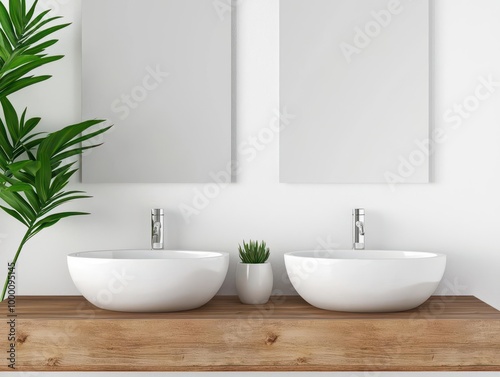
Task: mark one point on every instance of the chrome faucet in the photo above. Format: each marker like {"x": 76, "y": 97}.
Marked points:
{"x": 358, "y": 229}
{"x": 157, "y": 229}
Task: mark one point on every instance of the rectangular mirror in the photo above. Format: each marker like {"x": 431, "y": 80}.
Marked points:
{"x": 160, "y": 71}
{"x": 355, "y": 74}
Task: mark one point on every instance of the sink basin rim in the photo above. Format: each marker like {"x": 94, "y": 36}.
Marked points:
{"x": 103, "y": 255}
{"x": 364, "y": 255}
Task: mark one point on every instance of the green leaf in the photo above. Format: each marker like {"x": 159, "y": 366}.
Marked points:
{"x": 27, "y": 147}
{"x": 23, "y": 11}
{"x": 72, "y": 152}
{"x": 22, "y": 120}
{"x": 17, "y": 61}
{"x": 31, "y": 136}
{"x": 18, "y": 187}
{"x": 44, "y": 33}
{"x": 5, "y": 43}
{"x": 61, "y": 181}
{"x": 32, "y": 167}
{"x": 43, "y": 178}
{"x": 30, "y": 13}
{"x": 24, "y": 177}
{"x": 4, "y": 140}
{"x": 3, "y": 160}
{"x": 4, "y": 179}
{"x": 87, "y": 137}
{"x": 52, "y": 219}
{"x": 30, "y": 125}
{"x": 15, "y": 215}
{"x": 62, "y": 201}
{"x": 57, "y": 141}
{"x": 11, "y": 119}
{"x": 63, "y": 194}
{"x": 4, "y": 55}
{"x": 33, "y": 200}
{"x": 41, "y": 47}
{"x": 37, "y": 19}
{"x": 20, "y": 165}
{"x": 19, "y": 72}
{"x": 40, "y": 25}
{"x": 16, "y": 202}
{"x": 6, "y": 24}
{"x": 63, "y": 169}
{"x": 15, "y": 10}
{"x": 23, "y": 83}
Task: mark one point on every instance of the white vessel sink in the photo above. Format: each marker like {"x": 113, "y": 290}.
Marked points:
{"x": 365, "y": 281}
{"x": 148, "y": 280}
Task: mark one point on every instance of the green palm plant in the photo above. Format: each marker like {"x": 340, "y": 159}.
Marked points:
{"x": 35, "y": 167}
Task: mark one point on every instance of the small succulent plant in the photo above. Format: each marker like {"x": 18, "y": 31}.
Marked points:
{"x": 254, "y": 252}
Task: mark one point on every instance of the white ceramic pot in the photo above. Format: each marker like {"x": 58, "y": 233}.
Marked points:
{"x": 254, "y": 282}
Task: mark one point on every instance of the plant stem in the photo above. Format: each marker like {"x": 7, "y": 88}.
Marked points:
{"x": 14, "y": 261}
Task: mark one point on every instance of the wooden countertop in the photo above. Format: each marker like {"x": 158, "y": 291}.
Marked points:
{"x": 67, "y": 333}
{"x": 229, "y": 307}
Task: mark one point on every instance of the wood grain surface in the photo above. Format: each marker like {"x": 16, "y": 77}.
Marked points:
{"x": 66, "y": 333}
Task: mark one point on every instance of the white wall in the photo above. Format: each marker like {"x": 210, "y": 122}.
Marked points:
{"x": 456, "y": 214}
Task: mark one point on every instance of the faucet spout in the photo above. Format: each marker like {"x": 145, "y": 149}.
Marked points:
{"x": 358, "y": 229}
{"x": 157, "y": 229}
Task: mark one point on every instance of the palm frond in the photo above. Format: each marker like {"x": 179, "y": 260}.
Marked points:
{"x": 34, "y": 170}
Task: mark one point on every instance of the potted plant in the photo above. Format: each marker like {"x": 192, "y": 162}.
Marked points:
{"x": 35, "y": 167}
{"x": 254, "y": 275}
